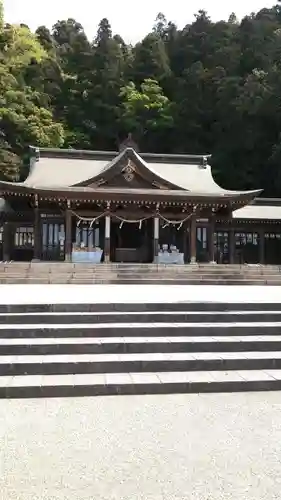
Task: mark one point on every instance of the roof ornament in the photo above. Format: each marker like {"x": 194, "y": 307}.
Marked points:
{"x": 129, "y": 143}
{"x": 129, "y": 171}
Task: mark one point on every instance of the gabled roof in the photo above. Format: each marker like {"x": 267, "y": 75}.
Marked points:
{"x": 66, "y": 170}
{"x": 115, "y": 166}
{"x": 264, "y": 209}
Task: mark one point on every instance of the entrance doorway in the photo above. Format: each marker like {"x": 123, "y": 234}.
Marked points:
{"x": 131, "y": 242}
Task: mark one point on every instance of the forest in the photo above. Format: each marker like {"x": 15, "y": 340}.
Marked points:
{"x": 211, "y": 87}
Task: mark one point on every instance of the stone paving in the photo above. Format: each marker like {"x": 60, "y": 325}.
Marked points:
{"x": 184, "y": 447}
{"x": 231, "y": 347}
{"x": 172, "y": 447}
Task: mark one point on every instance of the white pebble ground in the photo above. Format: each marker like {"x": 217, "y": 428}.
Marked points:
{"x": 184, "y": 447}
{"x": 180, "y": 447}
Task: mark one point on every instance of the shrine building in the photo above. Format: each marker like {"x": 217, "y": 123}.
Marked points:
{"x": 127, "y": 206}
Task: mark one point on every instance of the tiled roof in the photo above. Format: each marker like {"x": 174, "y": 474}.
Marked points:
{"x": 258, "y": 212}
{"x": 70, "y": 169}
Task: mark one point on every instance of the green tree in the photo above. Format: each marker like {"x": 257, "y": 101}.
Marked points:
{"x": 161, "y": 25}
{"x": 1, "y": 15}
{"x": 46, "y": 39}
{"x": 72, "y": 44}
{"x": 147, "y": 113}
{"x": 25, "y": 116}
{"x": 151, "y": 59}
{"x": 21, "y": 47}
{"x": 209, "y": 87}
{"x": 101, "y": 88}
{"x": 9, "y": 162}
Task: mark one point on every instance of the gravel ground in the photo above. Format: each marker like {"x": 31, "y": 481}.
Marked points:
{"x": 205, "y": 447}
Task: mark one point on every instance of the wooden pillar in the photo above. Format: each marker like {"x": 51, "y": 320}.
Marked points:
{"x": 185, "y": 233}
{"x": 155, "y": 239}
{"x": 68, "y": 236}
{"x": 261, "y": 246}
{"x": 107, "y": 239}
{"x": 193, "y": 240}
{"x": 211, "y": 239}
{"x": 37, "y": 235}
{"x": 7, "y": 241}
{"x": 231, "y": 247}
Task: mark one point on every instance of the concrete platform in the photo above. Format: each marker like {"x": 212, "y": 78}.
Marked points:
{"x": 102, "y": 294}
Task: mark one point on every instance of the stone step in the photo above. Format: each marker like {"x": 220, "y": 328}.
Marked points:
{"x": 136, "y": 344}
{"x": 140, "y": 329}
{"x": 137, "y": 306}
{"x": 31, "y": 386}
{"x": 154, "y": 270}
{"x": 183, "y": 272}
{"x": 154, "y": 280}
{"x": 151, "y": 274}
{"x": 138, "y": 272}
{"x": 141, "y": 280}
{"x": 53, "y": 267}
{"x": 186, "y": 271}
{"x": 125, "y": 268}
{"x": 14, "y": 346}
{"x": 138, "y": 317}
{"x": 139, "y": 362}
{"x": 157, "y": 282}
{"x": 92, "y": 349}
{"x": 125, "y": 265}
{"x": 104, "y": 281}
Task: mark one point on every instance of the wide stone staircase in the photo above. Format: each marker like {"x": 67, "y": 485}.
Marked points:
{"x": 116, "y": 349}
{"x": 68, "y": 273}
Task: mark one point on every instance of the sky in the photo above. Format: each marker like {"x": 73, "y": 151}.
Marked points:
{"x": 131, "y": 19}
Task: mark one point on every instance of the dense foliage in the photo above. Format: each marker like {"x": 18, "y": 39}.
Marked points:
{"x": 209, "y": 88}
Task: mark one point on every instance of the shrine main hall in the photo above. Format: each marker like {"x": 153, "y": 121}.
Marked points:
{"x": 128, "y": 206}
